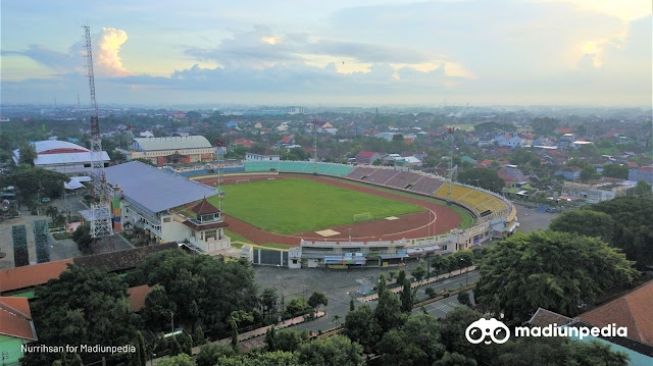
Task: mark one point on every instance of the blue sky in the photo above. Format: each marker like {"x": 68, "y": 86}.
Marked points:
{"x": 537, "y": 52}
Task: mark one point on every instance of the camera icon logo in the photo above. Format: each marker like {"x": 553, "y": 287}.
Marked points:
{"x": 480, "y": 330}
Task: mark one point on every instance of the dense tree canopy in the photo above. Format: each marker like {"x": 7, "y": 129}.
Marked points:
{"x": 558, "y": 271}
{"x": 332, "y": 351}
{"x": 624, "y": 222}
{"x": 200, "y": 289}
{"x": 32, "y": 182}
{"x": 482, "y": 177}
{"x": 615, "y": 171}
{"x": 83, "y": 306}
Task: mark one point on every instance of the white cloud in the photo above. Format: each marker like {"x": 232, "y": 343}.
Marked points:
{"x": 110, "y": 42}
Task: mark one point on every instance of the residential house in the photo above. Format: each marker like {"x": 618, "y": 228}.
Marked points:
{"x": 643, "y": 174}
{"x": 367, "y": 157}
{"x": 511, "y": 140}
{"x": 16, "y": 328}
{"x": 512, "y": 176}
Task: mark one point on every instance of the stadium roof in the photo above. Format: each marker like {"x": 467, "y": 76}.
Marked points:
{"x": 55, "y": 146}
{"x": 155, "y": 189}
{"x": 172, "y": 143}
{"x": 67, "y": 158}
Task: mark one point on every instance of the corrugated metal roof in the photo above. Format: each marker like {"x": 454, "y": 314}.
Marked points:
{"x": 67, "y": 158}
{"x": 155, "y": 189}
{"x": 172, "y": 143}
{"x": 45, "y": 145}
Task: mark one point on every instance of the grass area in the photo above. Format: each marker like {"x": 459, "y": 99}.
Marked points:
{"x": 466, "y": 218}
{"x": 295, "y": 205}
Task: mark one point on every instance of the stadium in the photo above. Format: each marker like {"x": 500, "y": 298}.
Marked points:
{"x": 306, "y": 214}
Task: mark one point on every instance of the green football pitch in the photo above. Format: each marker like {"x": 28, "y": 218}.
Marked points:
{"x": 295, "y": 205}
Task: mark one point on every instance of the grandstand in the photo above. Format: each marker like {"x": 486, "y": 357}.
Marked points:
{"x": 381, "y": 176}
{"x": 481, "y": 203}
{"x": 360, "y": 173}
{"x": 338, "y": 170}
{"x": 426, "y": 185}
{"x": 404, "y": 180}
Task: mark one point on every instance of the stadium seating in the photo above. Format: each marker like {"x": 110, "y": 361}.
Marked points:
{"x": 360, "y": 172}
{"x": 403, "y": 180}
{"x": 381, "y": 176}
{"x": 427, "y": 185}
{"x": 339, "y": 170}
{"x": 477, "y": 201}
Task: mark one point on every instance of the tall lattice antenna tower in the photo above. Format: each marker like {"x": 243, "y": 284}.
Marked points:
{"x": 100, "y": 208}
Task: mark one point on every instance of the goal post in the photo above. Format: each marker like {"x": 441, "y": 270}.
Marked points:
{"x": 363, "y": 216}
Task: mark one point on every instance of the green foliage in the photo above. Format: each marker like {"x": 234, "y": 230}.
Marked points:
{"x": 557, "y": 271}
{"x": 642, "y": 189}
{"x": 559, "y": 351}
{"x": 416, "y": 343}
{"x": 82, "y": 236}
{"x": 27, "y": 154}
{"x": 159, "y": 310}
{"x": 296, "y": 154}
{"x": 211, "y": 353}
{"x": 268, "y": 300}
{"x": 201, "y": 288}
{"x": 297, "y": 306}
{"x": 332, "y": 351}
{"x": 388, "y": 311}
{"x": 32, "y": 182}
{"x": 544, "y": 126}
{"x": 406, "y": 297}
{"x": 361, "y": 326}
{"x": 178, "y": 360}
{"x": 615, "y": 171}
{"x": 585, "y": 222}
{"x": 455, "y": 359}
{"x": 288, "y": 340}
{"x": 296, "y": 205}
{"x": 277, "y": 358}
{"x": 588, "y": 173}
{"x": 83, "y": 306}
{"x": 482, "y": 177}
{"x": 633, "y": 231}
{"x": 316, "y": 299}
{"x": 463, "y": 298}
{"x": 419, "y": 272}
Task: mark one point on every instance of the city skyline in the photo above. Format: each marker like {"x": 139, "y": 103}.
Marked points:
{"x": 566, "y": 52}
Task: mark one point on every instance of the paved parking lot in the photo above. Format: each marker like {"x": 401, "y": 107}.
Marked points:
{"x": 531, "y": 220}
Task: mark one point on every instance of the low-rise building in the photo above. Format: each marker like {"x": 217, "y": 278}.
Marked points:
{"x": 168, "y": 206}
{"x": 367, "y": 157}
{"x": 261, "y": 157}
{"x": 16, "y": 328}
{"x": 641, "y": 174}
{"x": 63, "y": 157}
{"x": 598, "y": 191}
{"x": 171, "y": 150}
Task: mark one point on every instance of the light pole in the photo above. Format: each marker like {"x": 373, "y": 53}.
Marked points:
{"x": 172, "y": 321}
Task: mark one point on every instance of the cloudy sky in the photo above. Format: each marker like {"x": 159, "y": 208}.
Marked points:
{"x": 335, "y": 52}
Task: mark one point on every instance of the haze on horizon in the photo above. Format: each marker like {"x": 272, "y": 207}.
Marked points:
{"x": 507, "y": 52}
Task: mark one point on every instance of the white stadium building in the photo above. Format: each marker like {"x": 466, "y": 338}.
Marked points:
{"x": 63, "y": 157}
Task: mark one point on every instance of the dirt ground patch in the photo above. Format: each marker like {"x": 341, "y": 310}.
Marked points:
{"x": 407, "y": 226}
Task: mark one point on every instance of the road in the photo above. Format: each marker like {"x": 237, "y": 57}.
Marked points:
{"x": 338, "y": 286}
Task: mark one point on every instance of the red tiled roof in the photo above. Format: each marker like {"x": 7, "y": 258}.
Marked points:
{"x": 16, "y": 318}
{"x": 204, "y": 208}
{"x": 17, "y": 278}
{"x": 137, "y": 297}
{"x": 366, "y": 154}
{"x": 633, "y": 310}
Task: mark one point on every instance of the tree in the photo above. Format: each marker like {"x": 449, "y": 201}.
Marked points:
{"x": 642, "y": 189}
{"x": 236, "y": 317}
{"x": 82, "y": 306}
{"x": 559, "y": 351}
{"x": 455, "y": 359}
{"x": 332, "y": 351}
{"x": 406, "y": 297}
{"x": 588, "y": 173}
{"x": 585, "y": 222}
{"x": 268, "y": 300}
{"x": 388, "y": 311}
{"x": 482, "y": 177}
{"x": 440, "y": 264}
{"x": 277, "y": 358}
{"x": 32, "y": 182}
{"x": 401, "y": 277}
{"x": 316, "y": 299}
{"x": 288, "y": 340}
{"x": 27, "y": 154}
{"x": 211, "y": 353}
{"x": 463, "y": 298}
{"x": 416, "y": 343}
{"x": 296, "y": 153}
{"x": 419, "y": 272}
{"x": 159, "y": 309}
{"x": 181, "y": 359}
{"x": 557, "y": 271}
{"x": 297, "y": 306}
{"x": 544, "y": 126}
{"x": 615, "y": 171}
{"x": 82, "y": 236}
{"x": 361, "y": 326}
